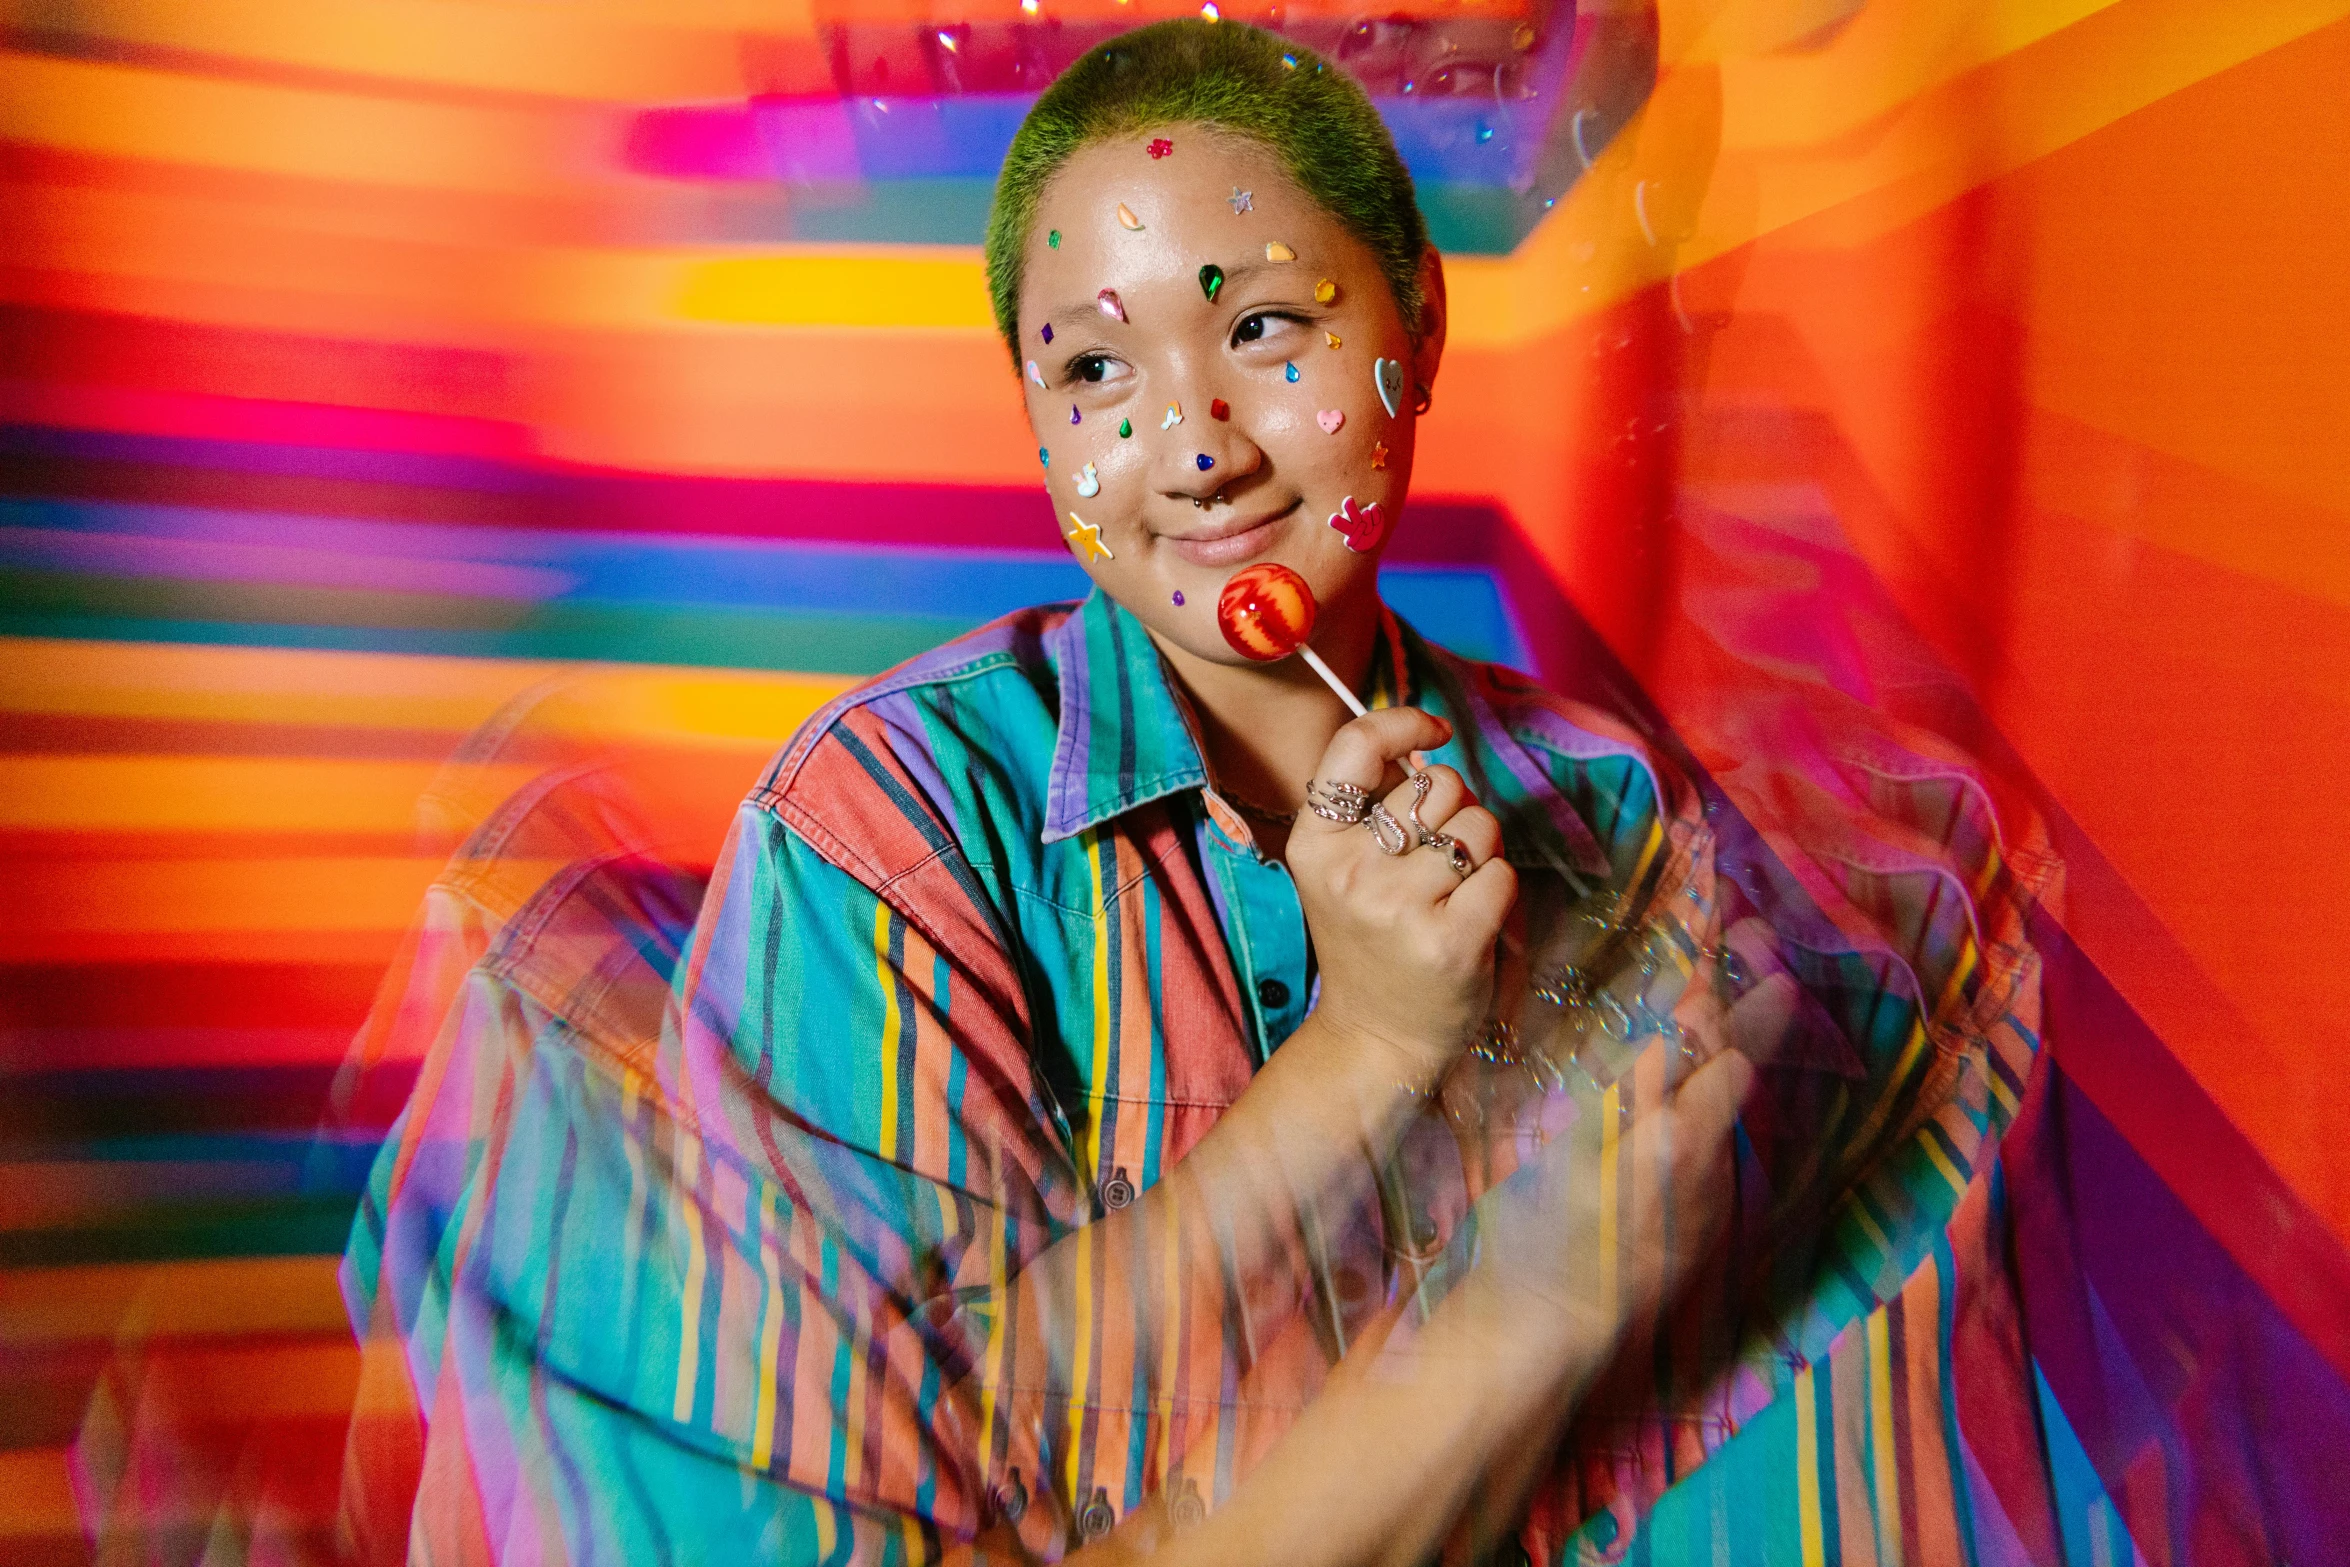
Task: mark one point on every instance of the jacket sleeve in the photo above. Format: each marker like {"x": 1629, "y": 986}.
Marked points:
{"x": 773, "y": 1273}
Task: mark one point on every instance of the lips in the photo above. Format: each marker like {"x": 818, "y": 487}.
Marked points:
{"x": 1229, "y": 543}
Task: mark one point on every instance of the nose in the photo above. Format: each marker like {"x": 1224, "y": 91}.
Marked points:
{"x": 1205, "y": 451}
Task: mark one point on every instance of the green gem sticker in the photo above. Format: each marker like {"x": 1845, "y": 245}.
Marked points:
{"x": 1211, "y": 278}
{"x": 1054, "y": 239}
{"x": 1125, "y": 428}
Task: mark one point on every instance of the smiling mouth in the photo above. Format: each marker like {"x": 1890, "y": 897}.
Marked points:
{"x": 1228, "y": 544}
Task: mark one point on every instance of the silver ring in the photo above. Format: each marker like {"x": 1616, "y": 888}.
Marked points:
{"x": 1343, "y": 803}
{"x": 1456, "y": 854}
{"x": 1615, "y": 1018}
{"x": 1386, "y": 830}
{"x": 1421, "y": 832}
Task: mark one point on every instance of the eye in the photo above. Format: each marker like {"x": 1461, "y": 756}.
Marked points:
{"x": 1259, "y": 325}
{"x": 1093, "y": 367}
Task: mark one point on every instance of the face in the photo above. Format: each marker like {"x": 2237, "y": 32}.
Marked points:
{"x": 1199, "y": 421}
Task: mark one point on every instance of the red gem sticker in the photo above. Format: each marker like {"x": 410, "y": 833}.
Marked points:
{"x": 1219, "y": 409}
{"x": 1160, "y": 147}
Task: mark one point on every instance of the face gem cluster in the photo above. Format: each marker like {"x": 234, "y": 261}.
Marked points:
{"x": 1362, "y": 526}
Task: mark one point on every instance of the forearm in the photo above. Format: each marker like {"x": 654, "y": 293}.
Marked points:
{"x": 1294, "y": 1156}
{"x": 1411, "y": 1434}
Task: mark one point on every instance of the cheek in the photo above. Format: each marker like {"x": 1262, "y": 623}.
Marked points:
{"x": 1332, "y": 464}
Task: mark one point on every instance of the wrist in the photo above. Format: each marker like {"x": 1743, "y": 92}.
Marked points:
{"x": 1386, "y": 1059}
{"x": 1546, "y": 1343}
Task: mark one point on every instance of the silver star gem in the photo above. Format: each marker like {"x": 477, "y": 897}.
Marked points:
{"x": 1240, "y": 201}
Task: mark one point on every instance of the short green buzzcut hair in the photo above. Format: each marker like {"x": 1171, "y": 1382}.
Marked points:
{"x": 1229, "y": 77}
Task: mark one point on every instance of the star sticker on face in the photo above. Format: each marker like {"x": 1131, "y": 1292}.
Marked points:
{"x": 1379, "y": 455}
{"x": 1241, "y": 201}
{"x": 1086, "y": 539}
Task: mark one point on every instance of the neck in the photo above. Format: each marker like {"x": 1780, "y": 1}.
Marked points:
{"x": 1265, "y": 726}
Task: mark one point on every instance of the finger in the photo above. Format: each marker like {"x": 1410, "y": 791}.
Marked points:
{"x": 1707, "y": 1102}
{"x": 1757, "y": 946}
{"x": 1362, "y": 750}
{"x": 1474, "y": 828}
{"x": 1444, "y": 793}
{"x": 1689, "y": 1140}
{"x": 1422, "y": 802}
{"x": 1762, "y": 1020}
{"x": 1691, "y": 1126}
{"x": 1478, "y": 836}
{"x": 1478, "y": 905}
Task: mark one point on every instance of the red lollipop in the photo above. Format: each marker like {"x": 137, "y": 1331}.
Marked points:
{"x": 1266, "y": 612}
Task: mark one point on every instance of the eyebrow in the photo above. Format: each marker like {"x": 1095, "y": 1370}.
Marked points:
{"x": 1084, "y": 309}
{"x": 1248, "y": 269}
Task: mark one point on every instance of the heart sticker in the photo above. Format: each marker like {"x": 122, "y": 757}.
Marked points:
{"x": 1330, "y": 419}
{"x": 1361, "y": 526}
{"x": 1089, "y": 483}
{"x": 1387, "y": 375}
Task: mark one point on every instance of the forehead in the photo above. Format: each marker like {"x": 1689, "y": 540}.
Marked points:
{"x": 1187, "y": 193}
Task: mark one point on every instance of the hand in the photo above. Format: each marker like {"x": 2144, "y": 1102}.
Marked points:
{"x": 1599, "y": 1231}
{"x": 1404, "y": 942}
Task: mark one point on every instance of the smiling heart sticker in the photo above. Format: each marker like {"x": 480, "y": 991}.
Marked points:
{"x": 1387, "y": 375}
{"x": 1330, "y": 419}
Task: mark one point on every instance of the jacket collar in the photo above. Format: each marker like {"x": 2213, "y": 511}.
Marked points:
{"x": 1124, "y": 739}
{"x": 1126, "y": 736}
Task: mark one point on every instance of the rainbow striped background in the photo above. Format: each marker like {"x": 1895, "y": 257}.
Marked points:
{"x": 367, "y": 362}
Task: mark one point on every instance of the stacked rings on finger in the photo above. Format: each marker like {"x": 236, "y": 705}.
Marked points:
{"x": 1392, "y": 836}
{"x": 1343, "y": 803}
{"x": 1456, "y": 854}
{"x": 1421, "y": 784}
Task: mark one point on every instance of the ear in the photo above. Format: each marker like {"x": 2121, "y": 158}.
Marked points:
{"x": 1428, "y": 352}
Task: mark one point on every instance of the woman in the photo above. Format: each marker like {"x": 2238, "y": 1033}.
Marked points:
{"x": 1075, "y": 1131}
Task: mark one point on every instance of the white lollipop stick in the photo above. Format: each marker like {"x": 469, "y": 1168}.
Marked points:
{"x": 1344, "y": 695}
{"x": 1354, "y": 705}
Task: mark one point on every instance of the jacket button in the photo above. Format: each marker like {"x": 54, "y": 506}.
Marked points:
{"x": 1117, "y": 1191}
{"x": 1096, "y": 1519}
{"x": 1607, "y": 1535}
{"x": 1011, "y": 1499}
{"x": 1273, "y": 993}
{"x": 1187, "y": 1511}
